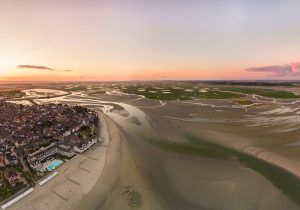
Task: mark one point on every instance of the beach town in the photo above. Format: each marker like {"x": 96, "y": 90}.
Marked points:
{"x": 37, "y": 139}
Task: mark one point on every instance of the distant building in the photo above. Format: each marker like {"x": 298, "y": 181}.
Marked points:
{"x": 12, "y": 177}
{"x": 67, "y": 133}
{"x": 83, "y": 147}
{"x": 66, "y": 150}
{"x": 10, "y": 158}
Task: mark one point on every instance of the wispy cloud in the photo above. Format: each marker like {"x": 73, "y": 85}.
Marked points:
{"x": 45, "y": 68}
{"x": 161, "y": 75}
{"x": 8, "y": 77}
{"x": 285, "y": 70}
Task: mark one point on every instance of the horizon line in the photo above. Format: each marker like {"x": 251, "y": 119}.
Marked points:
{"x": 165, "y": 80}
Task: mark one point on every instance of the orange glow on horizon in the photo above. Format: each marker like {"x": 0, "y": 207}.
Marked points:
{"x": 133, "y": 75}
{"x": 134, "y": 40}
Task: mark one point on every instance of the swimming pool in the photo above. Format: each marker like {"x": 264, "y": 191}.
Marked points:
{"x": 54, "y": 164}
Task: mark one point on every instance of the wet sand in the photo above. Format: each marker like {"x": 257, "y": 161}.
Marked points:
{"x": 122, "y": 185}
{"x": 155, "y": 165}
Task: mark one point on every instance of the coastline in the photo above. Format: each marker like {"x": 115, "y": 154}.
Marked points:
{"x": 121, "y": 185}
{"x": 74, "y": 181}
{"x": 127, "y": 179}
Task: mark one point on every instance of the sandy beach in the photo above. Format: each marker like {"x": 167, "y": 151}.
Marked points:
{"x": 104, "y": 177}
{"x": 121, "y": 185}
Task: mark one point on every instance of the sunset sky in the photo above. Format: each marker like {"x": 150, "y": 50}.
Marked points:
{"x": 61, "y": 40}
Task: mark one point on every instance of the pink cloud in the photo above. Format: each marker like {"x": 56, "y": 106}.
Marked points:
{"x": 284, "y": 70}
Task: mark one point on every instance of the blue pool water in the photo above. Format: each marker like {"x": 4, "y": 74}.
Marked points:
{"x": 53, "y": 165}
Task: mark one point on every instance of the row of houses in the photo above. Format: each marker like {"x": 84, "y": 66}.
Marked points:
{"x": 77, "y": 128}
{"x": 35, "y": 159}
{"x": 84, "y": 146}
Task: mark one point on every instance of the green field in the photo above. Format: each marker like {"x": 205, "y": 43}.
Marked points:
{"x": 188, "y": 93}
{"x": 170, "y": 93}
{"x": 96, "y": 92}
{"x": 270, "y": 93}
{"x": 244, "y": 102}
{"x": 12, "y": 94}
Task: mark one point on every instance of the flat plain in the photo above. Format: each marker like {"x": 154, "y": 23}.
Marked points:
{"x": 186, "y": 145}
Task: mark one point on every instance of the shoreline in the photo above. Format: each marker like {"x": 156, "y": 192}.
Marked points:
{"x": 122, "y": 184}
{"x": 75, "y": 179}
{"x": 124, "y": 173}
